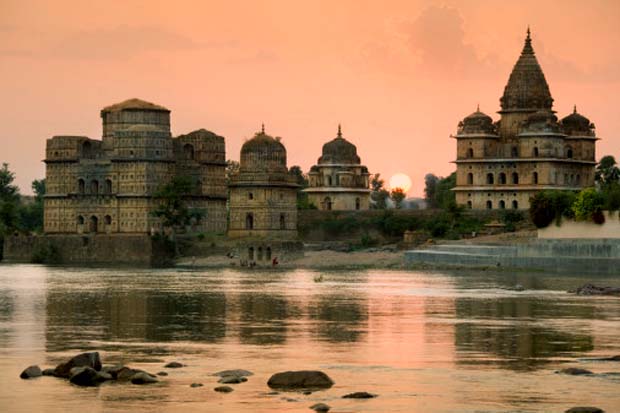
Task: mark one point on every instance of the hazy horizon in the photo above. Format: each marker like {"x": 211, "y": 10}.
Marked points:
{"x": 398, "y": 76}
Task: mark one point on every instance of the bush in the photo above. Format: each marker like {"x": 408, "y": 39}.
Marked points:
{"x": 588, "y": 202}
{"x": 367, "y": 241}
{"x": 547, "y": 206}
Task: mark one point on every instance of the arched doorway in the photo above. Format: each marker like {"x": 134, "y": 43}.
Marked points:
{"x": 188, "y": 151}
{"x": 93, "y": 224}
{"x": 249, "y": 221}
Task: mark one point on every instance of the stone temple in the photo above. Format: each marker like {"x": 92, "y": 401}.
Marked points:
{"x": 263, "y": 202}
{"x": 503, "y": 164}
{"x": 107, "y": 185}
{"x": 339, "y": 181}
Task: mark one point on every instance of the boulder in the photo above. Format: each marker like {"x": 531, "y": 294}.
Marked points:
{"x": 31, "y": 372}
{"x": 48, "y": 372}
{"x": 232, "y": 380}
{"x": 86, "y": 376}
{"x": 143, "y": 378}
{"x": 584, "y": 409}
{"x": 302, "y": 379}
{"x": 113, "y": 370}
{"x": 223, "y": 389}
{"x": 574, "y": 371}
{"x": 591, "y": 289}
{"x": 91, "y": 360}
{"x": 235, "y": 372}
{"x": 174, "y": 365}
{"x": 320, "y": 407}
{"x": 193, "y": 385}
{"x": 162, "y": 373}
{"x": 359, "y": 395}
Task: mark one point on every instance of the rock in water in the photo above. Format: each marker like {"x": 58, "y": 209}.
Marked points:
{"x": 235, "y": 372}
{"x": 85, "y": 376}
{"x": 359, "y": 395}
{"x": 232, "y": 380}
{"x": 143, "y": 378}
{"x": 584, "y": 409}
{"x": 174, "y": 365}
{"x": 223, "y": 389}
{"x": 48, "y": 372}
{"x": 591, "y": 289}
{"x": 302, "y": 379}
{"x": 194, "y": 385}
{"x": 320, "y": 407}
{"x": 31, "y": 372}
{"x": 91, "y": 360}
{"x": 162, "y": 373}
{"x": 574, "y": 371}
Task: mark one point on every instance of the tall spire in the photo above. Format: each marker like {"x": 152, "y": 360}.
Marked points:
{"x": 478, "y": 107}
{"x": 527, "y": 89}
{"x": 339, "y": 131}
{"x": 262, "y": 128}
{"x": 574, "y": 108}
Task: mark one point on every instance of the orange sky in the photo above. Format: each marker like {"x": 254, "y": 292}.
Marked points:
{"x": 398, "y": 75}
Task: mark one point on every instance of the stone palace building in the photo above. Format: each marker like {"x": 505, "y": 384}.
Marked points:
{"x": 107, "y": 186}
{"x": 339, "y": 181}
{"x": 503, "y": 164}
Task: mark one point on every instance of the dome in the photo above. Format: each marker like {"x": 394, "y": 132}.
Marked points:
{"x": 527, "y": 88}
{"x": 576, "y": 123}
{"x": 477, "y": 122}
{"x": 339, "y": 151}
{"x": 263, "y": 153}
{"x": 134, "y": 104}
{"x": 541, "y": 121}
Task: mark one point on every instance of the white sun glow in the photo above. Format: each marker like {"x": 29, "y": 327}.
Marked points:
{"x": 400, "y": 180}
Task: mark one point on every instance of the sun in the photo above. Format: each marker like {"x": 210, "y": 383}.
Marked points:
{"x": 400, "y": 180}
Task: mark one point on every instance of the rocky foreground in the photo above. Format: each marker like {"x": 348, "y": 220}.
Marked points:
{"x": 87, "y": 370}
{"x": 591, "y": 289}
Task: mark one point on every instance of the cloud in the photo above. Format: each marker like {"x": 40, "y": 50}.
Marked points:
{"x": 116, "y": 43}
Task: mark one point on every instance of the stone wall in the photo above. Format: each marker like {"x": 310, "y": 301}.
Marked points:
{"x": 584, "y": 229}
{"x": 134, "y": 249}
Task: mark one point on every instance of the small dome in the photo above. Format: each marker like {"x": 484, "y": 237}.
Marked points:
{"x": 134, "y": 104}
{"x": 263, "y": 153}
{"x": 339, "y": 151}
{"x": 541, "y": 121}
{"x": 576, "y": 123}
{"x": 477, "y": 122}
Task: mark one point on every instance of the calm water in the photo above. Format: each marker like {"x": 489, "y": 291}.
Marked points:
{"x": 425, "y": 342}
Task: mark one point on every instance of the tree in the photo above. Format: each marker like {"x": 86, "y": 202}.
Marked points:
{"x": 607, "y": 172}
{"x": 31, "y": 214}
{"x": 173, "y": 210}
{"x": 397, "y": 195}
{"x": 302, "y": 180}
{"x": 9, "y": 201}
{"x": 379, "y": 194}
{"x": 438, "y": 191}
{"x": 232, "y": 168}
{"x": 430, "y": 189}
{"x": 300, "y": 176}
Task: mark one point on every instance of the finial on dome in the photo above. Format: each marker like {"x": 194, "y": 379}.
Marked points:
{"x": 527, "y": 48}
{"x": 339, "y": 131}
{"x": 262, "y": 128}
{"x": 478, "y": 107}
{"x": 574, "y": 108}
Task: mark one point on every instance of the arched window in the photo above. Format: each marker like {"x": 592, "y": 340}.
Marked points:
{"x": 490, "y": 179}
{"x": 250, "y": 195}
{"x": 329, "y": 180}
{"x": 578, "y": 179}
{"x": 108, "y": 186}
{"x": 489, "y": 205}
{"x": 470, "y": 152}
{"x": 515, "y": 178}
{"x": 268, "y": 253}
{"x": 260, "y": 254}
{"x": 502, "y": 204}
{"x": 94, "y": 187}
{"x": 565, "y": 179}
{"x": 87, "y": 150}
{"x": 80, "y": 220}
{"x": 357, "y": 203}
{"x": 470, "y": 179}
{"x": 536, "y": 152}
{"x": 93, "y": 224}
{"x": 535, "y": 178}
{"x": 249, "y": 221}
{"x": 515, "y": 204}
{"x": 282, "y": 221}
{"x": 81, "y": 186}
{"x": 569, "y": 153}
{"x": 469, "y": 205}
{"x": 251, "y": 253}
{"x": 327, "y": 204}
{"x": 108, "y": 220}
{"x": 514, "y": 152}
{"x": 188, "y": 151}
{"x": 502, "y": 178}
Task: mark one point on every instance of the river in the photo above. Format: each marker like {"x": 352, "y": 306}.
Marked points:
{"x": 423, "y": 341}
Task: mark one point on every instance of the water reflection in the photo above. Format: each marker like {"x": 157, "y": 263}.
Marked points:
{"x": 339, "y": 318}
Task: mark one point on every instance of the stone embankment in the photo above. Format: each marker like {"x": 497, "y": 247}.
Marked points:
{"x": 589, "y": 256}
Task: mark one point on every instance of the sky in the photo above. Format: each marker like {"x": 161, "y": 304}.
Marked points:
{"x": 398, "y": 75}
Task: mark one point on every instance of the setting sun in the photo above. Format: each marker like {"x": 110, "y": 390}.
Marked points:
{"x": 400, "y": 180}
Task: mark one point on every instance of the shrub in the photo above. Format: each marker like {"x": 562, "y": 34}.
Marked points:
{"x": 588, "y": 202}
{"x": 547, "y": 206}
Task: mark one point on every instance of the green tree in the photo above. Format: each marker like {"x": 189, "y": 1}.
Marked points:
{"x": 172, "y": 209}
{"x": 9, "y": 201}
{"x": 31, "y": 214}
{"x": 232, "y": 168}
{"x": 438, "y": 191}
{"x": 379, "y": 194}
{"x": 398, "y": 196}
{"x": 302, "y": 180}
{"x": 607, "y": 172}
{"x": 588, "y": 203}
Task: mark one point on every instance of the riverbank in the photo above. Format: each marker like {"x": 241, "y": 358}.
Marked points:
{"x": 317, "y": 260}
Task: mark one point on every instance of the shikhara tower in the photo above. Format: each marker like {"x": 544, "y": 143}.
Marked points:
{"x": 503, "y": 164}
